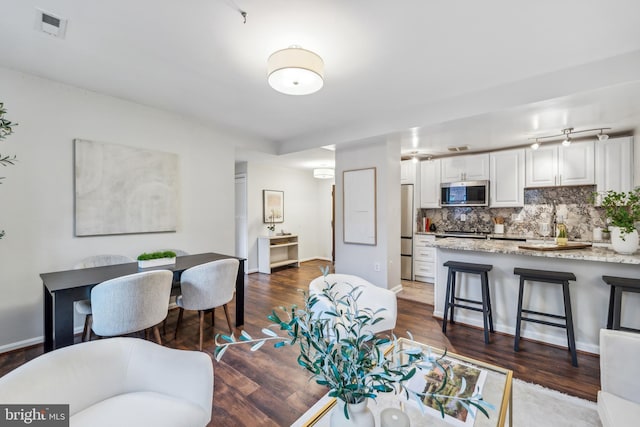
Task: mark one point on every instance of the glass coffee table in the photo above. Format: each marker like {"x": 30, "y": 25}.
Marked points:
{"x": 495, "y": 383}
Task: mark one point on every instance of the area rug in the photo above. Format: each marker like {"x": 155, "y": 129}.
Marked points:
{"x": 537, "y": 406}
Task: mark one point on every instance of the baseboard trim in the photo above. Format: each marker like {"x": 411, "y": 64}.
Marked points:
{"x": 313, "y": 258}
{"x": 21, "y": 344}
{"x": 559, "y": 341}
{"x": 396, "y": 289}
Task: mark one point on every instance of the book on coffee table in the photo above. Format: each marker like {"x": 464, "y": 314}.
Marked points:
{"x": 461, "y": 376}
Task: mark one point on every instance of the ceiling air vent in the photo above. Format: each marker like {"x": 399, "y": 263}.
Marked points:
{"x": 51, "y": 24}
{"x": 458, "y": 149}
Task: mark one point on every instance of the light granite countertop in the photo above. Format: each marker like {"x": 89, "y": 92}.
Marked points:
{"x": 600, "y": 254}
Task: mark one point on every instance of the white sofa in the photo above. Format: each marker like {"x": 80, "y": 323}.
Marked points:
{"x": 619, "y": 397}
{"x": 373, "y": 297}
{"x": 118, "y": 382}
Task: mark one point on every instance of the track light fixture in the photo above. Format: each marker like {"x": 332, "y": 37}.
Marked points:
{"x": 567, "y": 139}
{"x": 566, "y": 136}
{"x": 602, "y": 136}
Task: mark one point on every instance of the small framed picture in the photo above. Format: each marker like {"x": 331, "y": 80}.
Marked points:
{"x": 272, "y": 206}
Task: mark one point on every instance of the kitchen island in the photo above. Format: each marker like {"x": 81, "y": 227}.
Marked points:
{"x": 589, "y": 294}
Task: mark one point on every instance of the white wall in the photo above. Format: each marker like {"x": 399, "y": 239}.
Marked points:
{"x": 36, "y": 198}
{"x": 307, "y": 209}
{"x": 361, "y": 259}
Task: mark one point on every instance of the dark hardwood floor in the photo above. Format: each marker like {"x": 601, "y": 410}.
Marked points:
{"x": 267, "y": 388}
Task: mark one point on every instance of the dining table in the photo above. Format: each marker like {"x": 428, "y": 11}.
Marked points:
{"x": 62, "y": 289}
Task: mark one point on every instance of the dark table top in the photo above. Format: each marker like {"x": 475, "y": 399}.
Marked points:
{"x": 60, "y": 280}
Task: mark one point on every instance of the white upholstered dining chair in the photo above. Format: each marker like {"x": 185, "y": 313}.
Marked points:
{"x": 83, "y": 307}
{"x": 371, "y": 296}
{"x": 131, "y": 303}
{"x": 205, "y": 287}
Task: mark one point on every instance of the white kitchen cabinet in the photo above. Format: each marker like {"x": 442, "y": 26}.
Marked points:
{"x": 277, "y": 251}
{"x": 424, "y": 258}
{"x": 555, "y": 165}
{"x": 430, "y": 184}
{"x": 577, "y": 164}
{"x": 614, "y": 164}
{"x": 506, "y": 180}
{"x": 408, "y": 172}
{"x": 473, "y": 167}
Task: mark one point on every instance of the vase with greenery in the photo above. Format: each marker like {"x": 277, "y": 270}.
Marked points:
{"x": 154, "y": 259}
{"x": 622, "y": 211}
{"x": 272, "y": 223}
{"x": 6, "y": 129}
{"x": 339, "y": 353}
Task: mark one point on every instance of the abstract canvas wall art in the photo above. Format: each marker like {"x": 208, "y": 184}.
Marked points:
{"x": 123, "y": 190}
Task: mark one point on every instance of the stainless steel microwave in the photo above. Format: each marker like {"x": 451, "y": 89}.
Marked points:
{"x": 466, "y": 193}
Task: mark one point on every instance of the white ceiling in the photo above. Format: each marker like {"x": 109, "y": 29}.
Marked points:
{"x": 487, "y": 74}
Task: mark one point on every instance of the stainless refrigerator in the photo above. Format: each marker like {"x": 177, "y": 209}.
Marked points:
{"x": 406, "y": 232}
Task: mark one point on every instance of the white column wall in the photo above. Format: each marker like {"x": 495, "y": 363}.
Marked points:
{"x": 361, "y": 260}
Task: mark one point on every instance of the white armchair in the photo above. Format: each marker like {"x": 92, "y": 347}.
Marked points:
{"x": 372, "y": 297}
{"x": 619, "y": 397}
{"x": 118, "y": 382}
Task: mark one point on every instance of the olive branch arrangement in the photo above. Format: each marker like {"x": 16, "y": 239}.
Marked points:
{"x": 355, "y": 364}
{"x": 272, "y": 221}
{"x": 6, "y": 129}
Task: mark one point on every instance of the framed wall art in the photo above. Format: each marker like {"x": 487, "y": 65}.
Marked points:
{"x": 359, "y": 206}
{"x": 124, "y": 190}
{"x": 272, "y": 206}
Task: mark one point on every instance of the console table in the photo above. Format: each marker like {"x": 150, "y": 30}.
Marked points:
{"x": 277, "y": 251}
{"x": 62, "y": 288}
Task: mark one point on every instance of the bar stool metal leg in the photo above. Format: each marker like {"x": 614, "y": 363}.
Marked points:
{"x": 485, "y": 308}
{"x": 485, "y": 277}
{"x": 569, "y": 321}
{"x": 516, "y": 344}
{"x": 617, "y": 306}
{"x": 446, "y": 302}
{"x": 453, "y": 296}
{"x": 611, "y": 302}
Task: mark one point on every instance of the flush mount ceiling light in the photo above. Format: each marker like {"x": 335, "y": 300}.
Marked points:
{"x": 566, "y": 136}
{"x": 295, "y": 71}
{"x": 323, "y": 173}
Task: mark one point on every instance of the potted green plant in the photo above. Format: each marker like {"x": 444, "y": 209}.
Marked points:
{"x": 154, "y": 259}
{"x": 339, "y": 353}
{"x": 6, "y": 129}
{"x": 622, "y": 210}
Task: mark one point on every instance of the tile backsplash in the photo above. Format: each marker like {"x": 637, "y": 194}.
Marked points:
{"x": 572, "y": 205}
